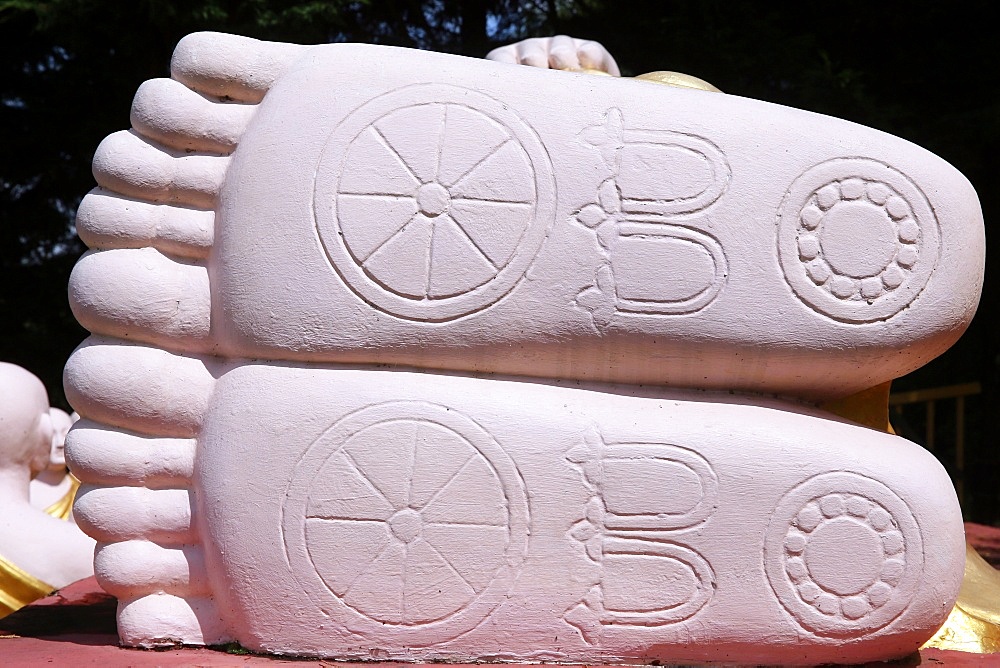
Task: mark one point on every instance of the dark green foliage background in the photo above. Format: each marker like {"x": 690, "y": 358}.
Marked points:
{"x": 925, "y": 71}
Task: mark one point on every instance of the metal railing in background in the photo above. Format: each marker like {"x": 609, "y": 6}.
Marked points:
{"x": 929, "y": 399}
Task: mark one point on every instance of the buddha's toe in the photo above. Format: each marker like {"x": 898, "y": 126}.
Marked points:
{"x": 143, "y": 295}
{"x": 107, "y": 220}
{"x": 138, "y": 387}
{"x": 102, "y": 455}
{"x": 129, "y": 164}
{"x": 113, "y": 514}
{"x": 170, "y": 113}
{"x": 140, "y": 567}
{"x": 193, "y": 619}
{"x": 230, "y": 66}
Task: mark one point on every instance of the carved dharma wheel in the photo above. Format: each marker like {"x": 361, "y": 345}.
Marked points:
{"x": 411, "y": 515}
{"x": 437, "y": 224}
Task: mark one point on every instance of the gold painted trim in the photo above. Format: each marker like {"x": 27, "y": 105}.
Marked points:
{"x": 62, "y": 508}
{"x": 18, "y": 588}
{"x": 678, "y": 80}
{"x": 974, "y": 622}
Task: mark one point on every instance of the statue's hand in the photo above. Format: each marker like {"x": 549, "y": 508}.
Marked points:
{"x": 558, "y": 53}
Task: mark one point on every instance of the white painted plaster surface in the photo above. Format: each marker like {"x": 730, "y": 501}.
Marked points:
{"x": 419, "y": 516}
{"x": 355, "y": 312}
{"x": 539, "y": 223}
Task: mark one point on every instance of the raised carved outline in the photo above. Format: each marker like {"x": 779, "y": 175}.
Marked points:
{"x": 788, "y": 591}
{"x": 591, "y": 618}
{"x": 590, "y": 455}
{"x": 700, "y": 569}
{"x": 610, "y": 137}
{"x": 603, "y": 297}
{"x": 613, "y": 216}
{"x": 903, "y": 289}
{"x": 333, "y": 164}
{"x": 294, "y": 511}
{"x": 600, "y": 533}
{"x": 712, "y": 155}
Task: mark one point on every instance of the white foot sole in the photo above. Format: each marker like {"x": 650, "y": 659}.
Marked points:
{"x": 401, "y": 207}
{"x": 420, "y": 517}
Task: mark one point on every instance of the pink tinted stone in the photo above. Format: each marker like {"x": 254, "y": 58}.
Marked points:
{"x": 400, "y": 378}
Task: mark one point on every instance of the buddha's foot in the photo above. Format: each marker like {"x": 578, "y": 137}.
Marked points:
{"x": 416, "y": 516}
{"x": 399, "y": 207}
{"x": 336, "y": 208}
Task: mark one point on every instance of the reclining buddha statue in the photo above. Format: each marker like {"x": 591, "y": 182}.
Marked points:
{"x": 409, "y": 356}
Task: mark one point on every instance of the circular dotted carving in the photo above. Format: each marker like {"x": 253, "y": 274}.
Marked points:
{"x": 432, "y": 201}
{"x": 407, "y": 518}
{"x": 844, "y": 554}
{"x": 857, "y": 240}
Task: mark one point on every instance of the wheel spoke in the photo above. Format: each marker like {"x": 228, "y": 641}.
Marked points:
{"x": 401, "y": 265}
{"x": 402, "y": 597}
{"x": 429, "y": 261}
{"x": 440, "y": 453}
{"x": 434, "y": 588}
{"x": 418, "y": 149}
{"x": 468, "y": 137}
{"x": 376, "y": 168}
{"x": 481, "y": 548}
{"x": 457, "y": 182}
{"x": 472, "y": 241}
{"x": 392, "y": 238}
{"x": 474, "y": 525}
{"x": 449, "y": 481}
{"x": 381, "y": 454}
{"x": 505, "y": 175}
{"x": 375, "y": 195}
{"x": 451, "y": 566}
{"x": 370, "y": 568}
{"x": 348, "y": 494}
{"x": 413, "y": 465}
{"x": 457, "y": 264}
{"x": 341, "y": 550}
{"x": 357, "y": 469}
{"x": 491, "y": 202}
{"x": 368, "y": 223}
{"x": 440, "y": 146}
{"x": 473, "y": 496}
{"x": 389, "y": 146}
{"x": 348, "y": 518}
{"x": 495, "y": 228}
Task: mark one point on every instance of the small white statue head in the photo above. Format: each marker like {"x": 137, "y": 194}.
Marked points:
{"x": 25, "y": 424}
{"x": 61, "y": 422}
